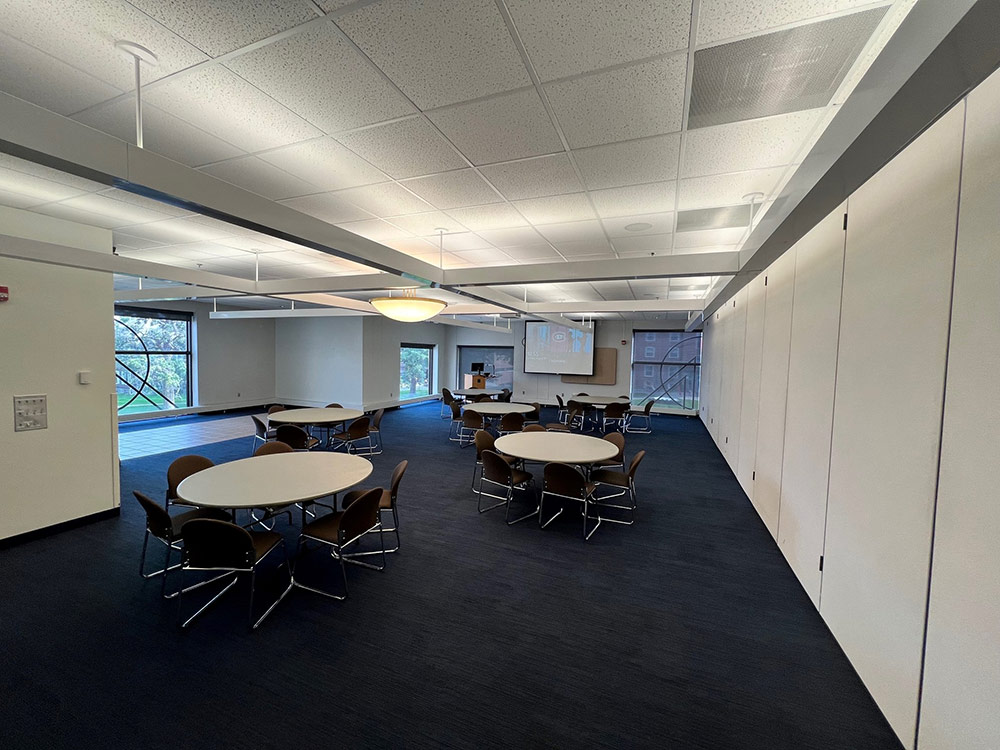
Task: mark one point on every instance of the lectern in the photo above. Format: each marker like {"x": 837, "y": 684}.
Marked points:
{"x": 474, "y": 380}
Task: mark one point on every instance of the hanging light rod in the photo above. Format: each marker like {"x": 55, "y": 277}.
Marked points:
{"x": 138, "y": 54}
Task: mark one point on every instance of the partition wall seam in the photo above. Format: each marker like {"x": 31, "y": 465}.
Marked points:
{"x": 784, "y": 417}
{"x": 760, "y": 386}
{"x": 944, "y": 397}
{"x": 833, "y": 406}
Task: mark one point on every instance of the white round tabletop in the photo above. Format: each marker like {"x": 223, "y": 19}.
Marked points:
{"x": 598, "y": 400}
{"x": 275, "y": 479}
{"x": 314, "y": 416}
{"x": 477, "y": 392}
{"x": 498, "y": 408}
{"x": 561, "y": 447}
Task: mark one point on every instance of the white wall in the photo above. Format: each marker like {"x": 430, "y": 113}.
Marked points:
{"x": 382, "y": 339}
{"x": 57, "y": 323}
{"x": 854, "y": 411}
{"x": 319, "y": 361}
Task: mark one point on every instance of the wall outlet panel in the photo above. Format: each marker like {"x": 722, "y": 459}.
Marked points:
{"x": 30, "y": 413}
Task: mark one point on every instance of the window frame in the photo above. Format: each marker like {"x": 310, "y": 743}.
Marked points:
{"x": 431, "y": 348}
{"x": 676, "y": 337}
{"x": 128, "y": 311}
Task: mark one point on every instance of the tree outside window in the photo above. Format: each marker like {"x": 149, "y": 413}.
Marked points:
{"x": 152, "y": 360}
{"x": 415, "y": 376}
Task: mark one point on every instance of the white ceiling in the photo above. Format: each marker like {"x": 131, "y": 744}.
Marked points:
{"x": 531, "y": 131}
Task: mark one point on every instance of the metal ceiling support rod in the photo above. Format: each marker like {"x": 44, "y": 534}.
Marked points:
{"x": 139, "y": 54}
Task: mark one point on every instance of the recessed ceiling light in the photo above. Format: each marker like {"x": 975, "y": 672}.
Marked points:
{"x": 639, "y": 226}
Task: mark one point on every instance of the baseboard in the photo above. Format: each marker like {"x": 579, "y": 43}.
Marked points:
{"x": 74, "y": 523}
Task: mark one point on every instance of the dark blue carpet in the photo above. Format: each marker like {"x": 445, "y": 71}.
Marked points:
{"x": 687, "y": 630}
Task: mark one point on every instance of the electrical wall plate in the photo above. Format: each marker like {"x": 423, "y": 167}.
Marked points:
{"x": 31, "y": 413}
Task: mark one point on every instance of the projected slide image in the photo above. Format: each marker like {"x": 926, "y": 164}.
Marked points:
{"x": 555, "y": 349}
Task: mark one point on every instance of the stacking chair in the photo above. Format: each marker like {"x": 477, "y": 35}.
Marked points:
{"x": 221, "y": 546}
{"x": 260, "y": 432}
{"x": 483, "y": 397}
{"x": 357, "y": 432}
{"x": 579, "y": 420}
{"x": 563, "y": 411}
{"x": 386, "y": 503}
{"x": 485, "y": 442}
{"x": 296, "y": 437}
{"x": 501, "y": 474}
{"x": 614, "y": 416}
{"x": 375, "y": 430}
{"x": 535, "y": 415}
{"x": 505, "y": 395}
{"x": 181, "y": 469}
{"x": 534, "y": 428}
{"x": 334, "y": 405}
{"x": 624, "y": 481}
{"x": 471, "y": 422}
{"x": 574, "y": 418}
{"x": 567, "y": 483}
{"x": 512, "y": 422}
{"x": 169, "y": 530}
{"x": 647, "y": 424}
{"x": 342, "y": 529}
{"x": 455, "y": 427}
{"x": 618, "y": 440}
{"x": 275, "y": 408}
{"x": 447, "y": 399}
{"x": 276, "y": 446}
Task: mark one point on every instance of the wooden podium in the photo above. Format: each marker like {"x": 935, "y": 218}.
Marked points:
{"x": 474, "y": 380}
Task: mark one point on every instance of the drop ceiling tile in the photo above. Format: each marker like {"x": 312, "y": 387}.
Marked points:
{"x": 42, "y": 79}
{"x": 511, "y": 236}
{"x": 497, "y": 216}
{"x": 413, "y": 246}
{"x": 613, "y": 290}
{"x": 631, "y": 163}
{"x": 332, "y": 5}
{"x": 727, "y": 189}
{"x": 534, "y": 178}
{"x": 537, "y": 253}
{"x": 220, "y": 26}
{"x": 577, "y": 249}
{"x": 101, "y": 211}
{"x": 328, "y": 207}
{"x": 341, "y": 91}
{"x": 384, "y": 199}
{"x": 752, "y": 144}
{"x": 23, "y": 190}
{"x": 511, "y": 126}
{"x": 375, "y": 229}
{"x": 426, "y": 224}
{"x": 556, "y": 209}
{"x": 82, "y": 34}
{"x": 325, "y": 163}
{"x": 707, "y": 237}
{"x": 405, "y": 148}
{"x": 142, "y": 201}
{"x": 659, "y": 223}
{"x": 572, "y": 231}
{"x": 456, "y": 189}
{"x": 126, "y": 241}
{"x": 162, "y": 133}
{"x": 724, "y": 19}
{"x": 645, "y": 244}
{"x": 621, "y": 104}
{"x": 258, "y": 176}
{"x": 637, "y": 199}
{"x": 484, "y": 257}
{"x": 172, "y": 231}
{"x": 566, "y": 37}
{"x": 439, "y": 51}
{"x": 223, "y": 104}
{"x": 458, "y": 241}
{"x": 23, "y": 166}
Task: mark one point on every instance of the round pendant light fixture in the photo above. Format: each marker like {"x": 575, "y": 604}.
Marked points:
{"x": 408, "y": 308}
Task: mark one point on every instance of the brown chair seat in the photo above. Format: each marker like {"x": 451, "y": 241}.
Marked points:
{"x": 607, "y": 476}
{"x": 264, "y": 542}
{"x": 177, "y": 522}
{"x": 520, "y": 477}
{"x": 325, "y": 528}
{"x": 384, "y": 502}
{"x": 557, "y": 426}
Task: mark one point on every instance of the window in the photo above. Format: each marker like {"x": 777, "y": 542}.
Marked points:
{"x": 415, "y": 370}
{"x": 499, "y": 361}
{"x": 667, "y": 368}
{"x": 152, "y": 359}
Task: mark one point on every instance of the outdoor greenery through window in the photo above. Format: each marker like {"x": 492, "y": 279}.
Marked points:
{"x": 152, "y": 360}
{"x": 498, "y": 360}
{"x": 415, "y": 378}
{"x": 666, "y": 366}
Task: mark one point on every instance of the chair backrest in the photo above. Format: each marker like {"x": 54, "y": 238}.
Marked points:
{"x": 512, "y": 422}
{"x": 636, "y": 460}
{"x": 484, "y": 442}
{"x": 360, "y": 516}
{"x": 473, "y": 420}
{"x": 358, "y": 428}
{"x": 573, "y": 414}
{"x": 334, "y": 406}
{"x": 533, "y": 428}
{"x": 583, "y": 394}
{"x": 563, "y": 479}
{"x": 397, "y": 477}
{"x": 617, "y": 439}
{"x": 275, "y": 446}
{"x": 483, "y": 397}
{"x": 615, "y": 411}
{"x": 559, "y": 400}
{"x": 627, "y": 398}
{"x": 209, "y": 543}
{"x": 259, "y": 428}
{"x": 292, "y": 435}
{"x": 181, "y": 469}
{"x": 505, "y": 395}
{"x": 157, "y": 519}
{"x": 495, "y": 469}
{"x": 648, "y": 408}
{"x": 535, "y": 414}
{"x": 377, "y": 419}
{"x": 456, "y": 411}
{"x": 447, "y": 397}
{"x": 574, "y": 405}
{"x": 275, "y": 408}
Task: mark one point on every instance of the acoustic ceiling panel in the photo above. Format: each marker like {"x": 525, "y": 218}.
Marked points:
{"x": 784, "y": 71}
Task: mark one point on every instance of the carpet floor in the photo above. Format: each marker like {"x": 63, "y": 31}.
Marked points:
{"x": 686, "y": 630}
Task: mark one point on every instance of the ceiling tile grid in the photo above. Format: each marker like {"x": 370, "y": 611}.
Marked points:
{"x": 456, "y": 189}
{"x": 325, "y": 163}
{"x": 725, "y": 19}
{"x": 534, "y": 178}
{"x": 260, "y": 177}
{"x": 404, "y": 148}
{"x": 630, "y": 163}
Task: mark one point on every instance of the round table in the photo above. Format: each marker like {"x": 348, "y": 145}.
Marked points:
{"x": 314, "y": 416}
{"x": 599, "y": 401}
{"x": 556, "y": 447}
{"x": 498, "y": 408}
{"x": 477, "y": 392}
{"x": 274, "y": 480}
